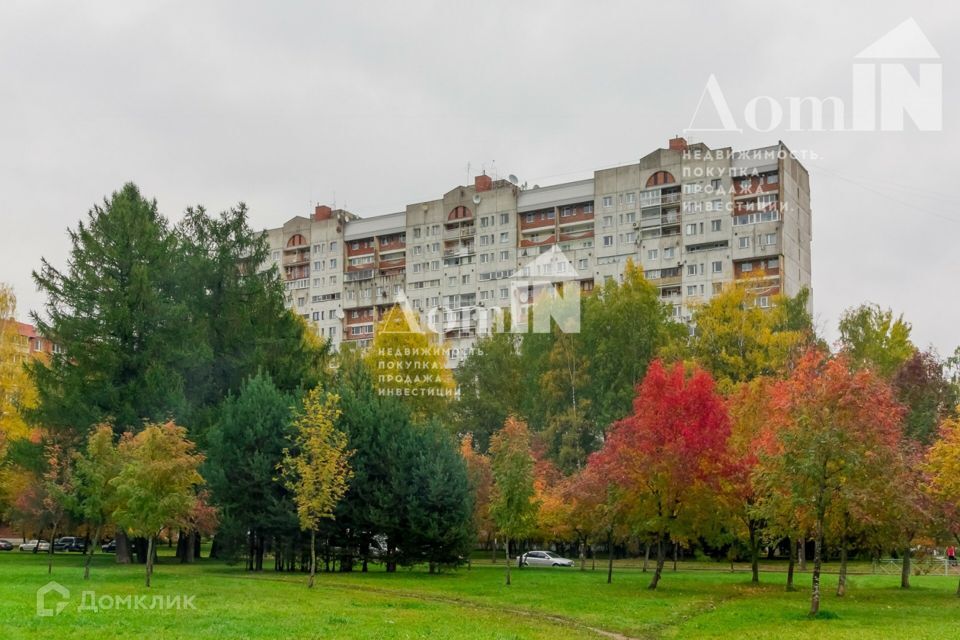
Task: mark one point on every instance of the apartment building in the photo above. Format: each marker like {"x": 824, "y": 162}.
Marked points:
{"x": 694, "y": 218}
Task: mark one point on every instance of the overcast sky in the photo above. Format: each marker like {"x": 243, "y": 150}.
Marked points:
{"x": 285, "y": 104}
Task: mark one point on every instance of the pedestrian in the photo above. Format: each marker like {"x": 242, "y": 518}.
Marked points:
{"x": 952, "y": 555}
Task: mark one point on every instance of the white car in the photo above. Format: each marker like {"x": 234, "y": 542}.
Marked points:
{"x": 543, "y": 559}
{"x": 35, "y": 545}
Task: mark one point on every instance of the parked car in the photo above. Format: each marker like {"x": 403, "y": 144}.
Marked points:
{"x": 6, "y": 545}
{"x": 543, "y": 559}
{"x": 109, "y": 547}
{"x": 70, "y": 543}
{"x": 35, "y": 545}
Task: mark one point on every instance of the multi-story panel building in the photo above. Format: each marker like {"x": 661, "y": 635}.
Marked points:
{"x": 694, "y": 218}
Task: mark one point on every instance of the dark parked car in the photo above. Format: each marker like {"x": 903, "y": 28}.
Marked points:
{"x": 5, "y": 545}
{"x": 110, "y": 547}
{"x": 70, "y": 543}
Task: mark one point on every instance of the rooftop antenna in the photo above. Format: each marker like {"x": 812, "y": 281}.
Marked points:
{"x": 513, "y": 179}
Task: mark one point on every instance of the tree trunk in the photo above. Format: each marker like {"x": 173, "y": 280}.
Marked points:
{"x": 609, "y": 558}
{"x": 313, "y": 557}
{"x": 149, "y": 568}
{"x": 506, "y": 554}
{"x": 790, "y": 565}
{"x": 646, "y": 555}
{"x": 802, "y": 554}
{"x": 661, "y": 558}
{"x": 754, "y": 554}
{"x": 583, "y": 555}
{"x": 905, "y": 569}
{"x": 90, "y": 552}
{"x": 189, "y": 550}
{"x": 817, "y": 561}
{"x": 676, "y": 549}
{"x": 123, "y": 547}
{"x": 842, "y": 579}
{"x": 53, "y": 536}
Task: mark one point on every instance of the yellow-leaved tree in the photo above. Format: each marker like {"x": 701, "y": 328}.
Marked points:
{"x": 17, "y": 393}
{"x": 316, "y": 468}
{"x": 410, "y": 364}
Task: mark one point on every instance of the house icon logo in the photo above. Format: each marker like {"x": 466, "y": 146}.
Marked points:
{"x": 48, "y": 593}
{"x": 547, "y": 289}
{"x": 902, "y": 67}
{"x": 401, "y": 317}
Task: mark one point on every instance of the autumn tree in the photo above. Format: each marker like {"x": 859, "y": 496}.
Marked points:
{"x": 156, "y": 486}
{"x": 736, "y": 340}
{"x": 480, "y": 478}
{"x": 750, "y": 411}
{"x": 670, "y": 455}
{"x": 838, "y": 429}
{"x": 513, "y": 507}
{"x": 943, "y": 468}
{"x": 409, "y": 364}
{"x": 96, "y": 467}
{"x": 872, "y": 335}
{"x": 316, "y": 467}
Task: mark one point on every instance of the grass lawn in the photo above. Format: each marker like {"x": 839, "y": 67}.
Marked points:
{"x": 541, "y": 603}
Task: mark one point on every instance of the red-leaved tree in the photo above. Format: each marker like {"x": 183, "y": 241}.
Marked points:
{"x": 670, "y": 455}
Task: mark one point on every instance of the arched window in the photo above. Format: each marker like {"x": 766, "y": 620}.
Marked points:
{"x": 296, "y": 240}
{"x": 459, "y": 213}
{"x": 659, "y": 178}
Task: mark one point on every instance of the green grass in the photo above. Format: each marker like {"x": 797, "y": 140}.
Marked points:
{"x": 541, "y": 603}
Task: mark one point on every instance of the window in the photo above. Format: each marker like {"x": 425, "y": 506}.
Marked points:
{"x": 451, "y": 280}
{"x": 692, "y": 290}
{"x": 763, "y": 302}
{"x": 716, "y": 266}
{"x": 773, "y": 263}
{"x": 504, "y": 218}
{"x": 418, "y": 250}
{"x": 435, "y": 265}
{"x": 504, "y": 237}
{"x": 691, "y": 229}
{"x": 276, "y": 256}
{"x": 588, "y": 208}
{"x": 716, "y": 225}
{"x": 607, "y": 202}
{"x": 769, "y": 239}
{"x": 631, "y": 197}
{"x": 566, "y": 212}
{"x": 504, "y": 292}
{"x": 744, "y": 242}
{"x": 668, "y": 252}
{"x": 333, "y": 245}
{"x": 417, "y": 232}
{"x": 691, "y": 269}
{"x": 608, "y": 241}
{"x": 333, "y": 263}
{"x": 505, "y": 255}
{"x": 653, "y": 254}
{"x": 607, "y": 221}
{"x": 746, "y": 266}
{"x": 333, "y": 279}
{"x": 717, "y": 287}
{"x": 715, "y": 185}
{"x": 772, "y": 178}
{"x": 716, "y": 205}
{"x": 583, "y": 263}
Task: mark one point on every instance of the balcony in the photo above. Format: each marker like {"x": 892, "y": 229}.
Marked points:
{"x": 356, "y": 276}
{"x": 459, "y": 231}
{"x": 300, "y": 257}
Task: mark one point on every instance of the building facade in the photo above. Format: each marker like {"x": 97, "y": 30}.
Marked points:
{"x": 694, "y": 218}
